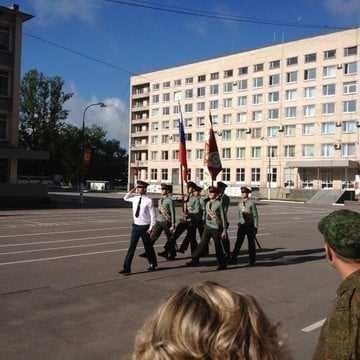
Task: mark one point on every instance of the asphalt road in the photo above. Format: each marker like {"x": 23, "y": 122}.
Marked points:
{"x": 62, "y": 298}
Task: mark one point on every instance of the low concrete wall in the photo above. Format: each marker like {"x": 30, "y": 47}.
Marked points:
{"x": 23, "y": 191}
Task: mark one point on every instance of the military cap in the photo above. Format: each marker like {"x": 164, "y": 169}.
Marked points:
{"x": 341, "y": 230}
{"x": 221, "y": 185}
{"x": 245, "y": 189}
{"x": 191, "y": 184}
{"x": 197, "y": 188}
{"x": 213, "y": 189}
{"x": 164, "y": 186}
{"x": 142, "y": 184}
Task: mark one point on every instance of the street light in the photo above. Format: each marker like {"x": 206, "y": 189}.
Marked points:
{"x": 269, "y": 168}
{"x": 102, "y": 105}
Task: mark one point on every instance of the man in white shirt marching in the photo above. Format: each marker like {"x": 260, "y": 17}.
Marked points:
{"x": 144, "y": 220}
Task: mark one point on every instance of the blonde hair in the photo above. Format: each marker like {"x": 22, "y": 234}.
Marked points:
{"x": 209, "y": 322}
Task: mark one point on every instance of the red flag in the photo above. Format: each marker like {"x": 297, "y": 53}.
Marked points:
{"x": 182, "y": 150}
{"x": 213, "y": 157}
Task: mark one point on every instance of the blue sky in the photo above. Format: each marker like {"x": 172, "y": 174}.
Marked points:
{"x": 140, "y": 40}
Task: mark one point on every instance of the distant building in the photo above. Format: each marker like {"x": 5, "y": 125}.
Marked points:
{"x": 11, "y": 20}
{"x": 288, "y": 113}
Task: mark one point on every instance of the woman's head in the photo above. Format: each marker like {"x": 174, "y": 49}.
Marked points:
{"x": 209, "y": 322}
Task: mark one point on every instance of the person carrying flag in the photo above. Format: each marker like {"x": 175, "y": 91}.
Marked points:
{"x": 225, "y": 203}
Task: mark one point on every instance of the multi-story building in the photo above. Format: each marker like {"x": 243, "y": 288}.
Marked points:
{"x": 286, "y": 115}
{"x": 11, "y": 20}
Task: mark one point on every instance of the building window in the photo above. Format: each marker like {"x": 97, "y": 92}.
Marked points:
{"x": 156, "y": 87}
{"x": 200, "y": 136}
{"x": 309, "y": 110}
{"x": 188, "y": 122}
{"x": 291, "y": 77}
{"x": 240, "y": 133}
{"x": 164, "y": 174}
{"x": 309, "y": 58}
{"x": 349, "y": 127}
{"x": 4, "y": 38}
{"x": 310, "y": 74}
{"x": 240, "y": 153}
{"x": 189, "y": 81}
{"x": 243, "y": 70}
{"x": 176, "y": 109}
{"x": 4, "y": 84}
{"x": 349, "y": 51}
{"x": 226, "y": 174}
{"x": 164, "y": 139}
{"x": 258, "y": 82}
{"x": 215, "y": 119}
{"x": 329, "y": 89}
{"x": 200, "y": 106}
{"x": 256, "y": 133}
{"x": 176, "y": 123}
{"x": 240, "y": 175}
{"x": 329, "y": 71}
{"x": 328, "y": 128}
{"x": 349, "y": 106}
{"x": 350, "y": 68}
{"x": 165, "y": 155}
{"x": 291, "y": 94}
{"x": 228, "y": 73}
{"x": 201, "y": 91}
{"x": 290, "y": 130}
{"x": 309, "y": 92}
{"x": 227, "y": 103}
{"x": 275, "y": 64}
{"x": 227, "y": 118}
{"x": 241, "y": 117}
{"x": 289, "y": 151}
{"x": 199, "y": 174}
{"x": 199, "y": 154}
{"x": 201, "y": 78}
{"x": 327, "y": 150}
{"x": 155, "y": 99}
{"x": 348, "y": 149}
{"x": 258, "y": 67}
{"x": 242, "y": 100}
{"x": 308, "y": 129}
{"x": 290, "y": 112}
{"x": 292, "y": 60}
{"x": 273, "y": 97}
{"x": 200, "y": 121}
{"x": 308, "y": 150}
{"x": 255, "y": 175}
{"x": 328, "y": 108}
{"x": 154, "y": 139}
{"x": 214, "y": 104}
{"x": 349, "y": 87}
{"x": 3, "y": 126}
{"x": 226, "y": 153}
{"x": 214, "y": 76}
{"x": 188, "y": 108}
{"x": 228, "y": 87}
{"x": 166, "y": 110}
{"x": 188, "y": 93}
{"x": 166, "y": 124}
{"x": 226, "y": 135}
{"x": 153, "y": 174}
{"x": 330, "y": 54}
{"x": 257, "y": 115}
{"x": 256, "y": 152}
{"x": 272, "y": 131}
{"x": 166, "y": 84}
{"x": 272, "y": 151}
{"x": 273, "y": 114}
{"x": 257, "y": 99}
{"x": 177, "y": 82}
{"x": 214, "y": 89}
{"x": 175, "y": 154}
{"x": 274, "y": 79}
{"x": 243, "y": 84}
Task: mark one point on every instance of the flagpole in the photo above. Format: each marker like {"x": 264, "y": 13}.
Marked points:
{"x": 182, "y": 189}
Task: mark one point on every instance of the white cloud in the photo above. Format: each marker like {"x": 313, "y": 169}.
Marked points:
{"x": 113, "y": 118}
{"x": 343, "y": 7}
{"x": 46, "y": 11}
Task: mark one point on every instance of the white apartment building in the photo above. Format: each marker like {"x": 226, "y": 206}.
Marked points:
{"x": 287, "y": 116}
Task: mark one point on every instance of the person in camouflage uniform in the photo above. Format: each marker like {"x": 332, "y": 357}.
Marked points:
{"x": 225, "y": 203}
{"x": 247, "y": 226}
{"x": 215, "y": 228}
{"x": 165, "y": 222}
{"x": 340, "y": 335}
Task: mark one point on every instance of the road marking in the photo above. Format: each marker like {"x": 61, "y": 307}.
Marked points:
{"x": 86, "y": 238}
{"x": 314, "y": 326}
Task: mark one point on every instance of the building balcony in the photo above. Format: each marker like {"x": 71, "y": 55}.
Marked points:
{"x": 140, "y": 107}
{"x": 137, "y": 147}
{"x": 138, "y": 94}
{"x": 140, "y": 133}
{"x": 138, "y": 163}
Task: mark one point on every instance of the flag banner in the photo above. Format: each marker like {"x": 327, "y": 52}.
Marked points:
{"x": 182, "y": 150}
{"x": 213, "y": 157}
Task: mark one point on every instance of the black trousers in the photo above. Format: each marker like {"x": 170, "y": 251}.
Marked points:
{"x": 215, "y": 234}
{"x": 249, "y": 231}
{"x": 137, "y": 232}
{"x": 226, "y": 242}
{"x": 190, "y": 237}
{"x": 158, "y": 228}
{"x": 194, "y": 224}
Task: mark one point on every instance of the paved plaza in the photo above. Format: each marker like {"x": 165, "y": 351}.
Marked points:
{"x": 61, "y": 296}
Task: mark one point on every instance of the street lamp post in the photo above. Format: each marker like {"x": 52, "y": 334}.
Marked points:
{"x": 102, "y": 105}
{"x": 269, "y": 168}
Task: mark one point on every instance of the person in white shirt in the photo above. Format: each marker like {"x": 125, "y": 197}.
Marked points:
{"x": 144, "y": 220}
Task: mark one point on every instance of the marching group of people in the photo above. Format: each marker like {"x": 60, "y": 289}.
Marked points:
{"x": 203, "y": 214}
